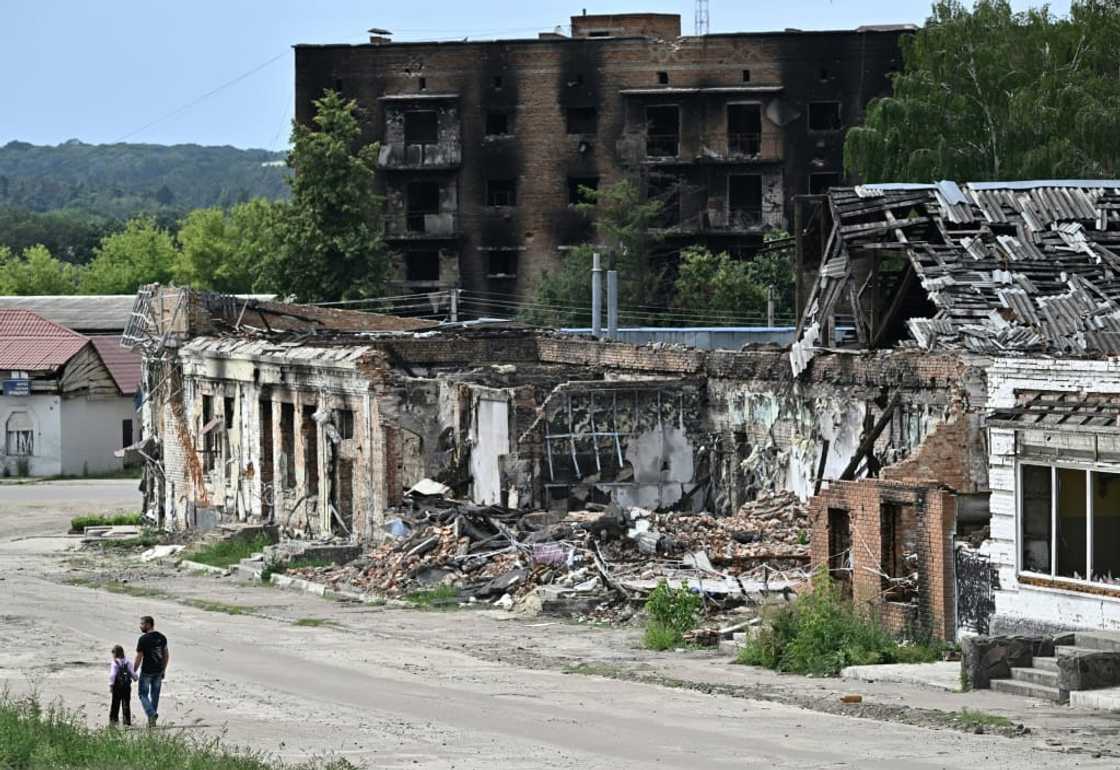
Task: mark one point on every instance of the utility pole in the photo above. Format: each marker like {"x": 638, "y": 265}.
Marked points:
{"x": 454, "y": 305}
{"x": 596, "y": 296}
{"x": 770, "y": 306}
{"x": 612, "y": 295}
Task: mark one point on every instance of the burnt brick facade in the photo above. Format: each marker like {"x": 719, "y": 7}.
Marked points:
{"x": 484, "y": 145}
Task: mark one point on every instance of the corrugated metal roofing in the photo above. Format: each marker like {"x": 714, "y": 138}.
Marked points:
{"x": 29, "y": 342}
{"x": 123, "y": 364}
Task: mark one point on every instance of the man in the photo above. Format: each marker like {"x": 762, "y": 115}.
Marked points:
{"x": 152, "y": 658}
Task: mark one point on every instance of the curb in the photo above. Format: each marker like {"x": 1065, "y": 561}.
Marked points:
{"x": 195, "y": 566}
{"x": 318, "y": 589}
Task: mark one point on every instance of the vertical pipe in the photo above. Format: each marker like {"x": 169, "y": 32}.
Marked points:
{"x": 596, "y": 296}
{"x": 612, "y": 304}
{"x": 454, "y": 305}
{"x": 770, "y": 306}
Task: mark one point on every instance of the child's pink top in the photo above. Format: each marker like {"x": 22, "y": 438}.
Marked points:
{"x": 115, "y": 665}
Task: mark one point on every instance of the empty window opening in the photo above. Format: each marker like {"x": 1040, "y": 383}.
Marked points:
{"x": 1072, "y": 521}
{"x": 599, "y": 33}
{"x": 497, "y": 123}
{"x": 264, "y": 407}
{"x": 126, "y": 433}
{"x": 288, "y": 445}
{"x": 344, "y": 421}
{"x": 421, "y": 265}
{"x": 1035, "y": 493}
{"x": 825, "y": 116}
{"x": 423, "y": 83}
{"x": 663, "y": 131}
{"x": 502, "y": 263}
{"x": 575, "y": 80}
{"x": 746, "y": 76}
{"x": 744, "y": 199}
{"x": 1106, "y": 527}
{"x": 822, "y": 181}
{"x": 579, "y": 188}
{"x": 840, "y": 549}
{"x": 422, "y": 200}
{"x": 582, "y": 120}
{"x": 501, "y": 192}
{"x": 497, "y": 81}
{"x": 229, "y": 405}
{"x": 338, "y": 85}
{"x": 898, "y": 528}
{"x": 663, "y": 78}
{"x": 209, "y": 435}
{"x": 825, "y": 75}
{"x": 744, "y": 129}
{"x": 343, "y": 492}
{"x": 20, "y": 435}
{"x": 421, "y": 127}
{"x": 310, "y": 430}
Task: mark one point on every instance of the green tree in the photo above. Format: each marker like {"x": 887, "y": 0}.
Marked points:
{"x": 224, "y": 250}
{"x": 141, "y": 253}
{"x": 331, "y": 244}
{"x": 736, "y": 290}
{"x": 989, "y": 94}
{"x": 36, "y": 271}
{"x": 626, "y": 227}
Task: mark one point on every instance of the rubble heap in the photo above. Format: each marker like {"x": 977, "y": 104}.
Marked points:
{"x": 595, "y": 558}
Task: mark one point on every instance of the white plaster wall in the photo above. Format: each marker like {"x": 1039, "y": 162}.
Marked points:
{"x": 491, "y": 441}
{"x": 45, "y": 414}
{"x": 91, "y": 432}
{"x": 1026, "y": 604}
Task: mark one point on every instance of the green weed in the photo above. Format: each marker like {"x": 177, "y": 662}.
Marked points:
{"x": 671, "y": 613}
{"x": 79, "y": 523}
{"x": 313, "y": 622}
{"x": 214, "y": 606}
{"x": 225, "y": 553}
{"x": 822, "y": 633}
{"x": 440, "y": 597}
{"x": 36, "y": 736}
{"x": 971, "y": 718}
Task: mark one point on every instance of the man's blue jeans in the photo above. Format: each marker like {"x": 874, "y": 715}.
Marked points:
{"x": 150, "y": 683}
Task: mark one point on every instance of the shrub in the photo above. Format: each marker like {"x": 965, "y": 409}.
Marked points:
{"x": 440, "y": 597}
{"x": 225, "y": 553}
{"x": 671, "y": 613}
{"x": 822, "y": 633}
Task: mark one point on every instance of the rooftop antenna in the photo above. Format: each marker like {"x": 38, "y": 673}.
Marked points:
{"x": 701, "y": 17}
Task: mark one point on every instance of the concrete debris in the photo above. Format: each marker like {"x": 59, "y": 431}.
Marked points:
{"x": 160, "y": 552}
{"x": 582, "y": 560}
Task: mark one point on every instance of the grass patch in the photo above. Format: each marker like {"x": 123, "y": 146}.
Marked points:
{"x": 79, "y": 523}
{"x": 822, "y": 633}
{"x": 146, "y": 539}
{"x": 226, "y": 553}
{"x": 213, "y": 606}
{"x": 438, "y": 598}
{"x": 607, "y": 670}
{"x": 971, "y": 718}
{"x": 671, "y": 613}
{"x": 314, "y": 623}
{"x": 36, "y": 736}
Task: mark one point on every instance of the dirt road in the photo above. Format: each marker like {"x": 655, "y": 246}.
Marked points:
{"x": 298, "y": 676}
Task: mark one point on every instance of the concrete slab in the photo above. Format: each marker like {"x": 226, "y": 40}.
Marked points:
{"x": 1105, "y": 699}
{"x": 943, "y": 676}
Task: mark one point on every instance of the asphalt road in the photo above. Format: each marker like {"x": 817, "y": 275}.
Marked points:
{"x": 372, "y": 690}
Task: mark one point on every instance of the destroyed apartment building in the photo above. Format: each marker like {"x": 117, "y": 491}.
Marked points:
{"x": 486, "y": 145}
{"x": 949, "y": 412}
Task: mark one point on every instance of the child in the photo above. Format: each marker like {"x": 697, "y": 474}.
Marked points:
{"x": 121, "y": 676}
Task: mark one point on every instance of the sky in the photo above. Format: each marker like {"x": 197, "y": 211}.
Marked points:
{"x": 221, "y": 71}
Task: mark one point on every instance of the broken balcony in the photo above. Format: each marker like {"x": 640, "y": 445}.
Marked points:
{"x": 421, "y": 131}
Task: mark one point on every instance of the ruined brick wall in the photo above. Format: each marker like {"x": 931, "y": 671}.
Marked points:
{"x": 932, "y": 514}
{"x": 534, "y": 83}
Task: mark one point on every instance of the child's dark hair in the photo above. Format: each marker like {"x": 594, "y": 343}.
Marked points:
{"x": 118, "y": 651}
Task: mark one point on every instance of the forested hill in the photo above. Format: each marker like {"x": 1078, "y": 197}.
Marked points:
{"x": 120, "y": 180}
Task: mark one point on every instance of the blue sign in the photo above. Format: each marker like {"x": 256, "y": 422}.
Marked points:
{"x": 17, "y": 387}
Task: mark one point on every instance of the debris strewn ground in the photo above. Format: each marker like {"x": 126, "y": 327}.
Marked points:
{"x": 592, "y": 561}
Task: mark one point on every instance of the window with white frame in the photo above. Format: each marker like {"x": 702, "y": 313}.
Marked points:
{"x": 1069, "y": 523}
{"x": 20, "y": 435}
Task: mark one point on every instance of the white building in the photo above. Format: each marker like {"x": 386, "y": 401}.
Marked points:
{"x": 68, "y": 400}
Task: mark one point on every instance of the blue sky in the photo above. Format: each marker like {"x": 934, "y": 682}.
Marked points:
{"x": 144, "y": 70}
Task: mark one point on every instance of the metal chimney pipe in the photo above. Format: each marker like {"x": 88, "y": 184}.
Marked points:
{"x": 596, "y": 296}
{"x": 612, "y": 304}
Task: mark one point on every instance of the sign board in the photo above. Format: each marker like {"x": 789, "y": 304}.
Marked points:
{"x": 17, "y": 387}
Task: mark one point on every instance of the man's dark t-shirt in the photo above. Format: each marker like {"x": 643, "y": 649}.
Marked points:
{"x": 154, "y": 647}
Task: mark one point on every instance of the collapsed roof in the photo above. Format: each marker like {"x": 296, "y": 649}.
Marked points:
{"x": 992, "y": 268}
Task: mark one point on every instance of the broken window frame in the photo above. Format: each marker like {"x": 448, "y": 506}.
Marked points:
{"x": 491, "y": 130}
{"x": 415, "y": 213}
{"x": 835, "y": 115}
{"x": 836, "y": 176}
{"x": 581, "y": 121}
{"x": 426, "y": 138}
{"x": 741, "y": 142}
{"x": 662, "y": 145}
{"x": 743, "y": 216}
{"x": 497, "y": 197}
{"x": 414, "y": 259}
{"x": 19, "y": 439}
{"x": 1091, "y": 473}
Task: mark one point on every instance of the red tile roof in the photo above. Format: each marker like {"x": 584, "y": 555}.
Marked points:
{"x": 122, "y": 363}
{"x": 29, "y": 342}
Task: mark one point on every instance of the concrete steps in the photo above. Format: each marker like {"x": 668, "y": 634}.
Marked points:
{"x": 1097, "y": 640}
{"x": 1046, "y": 664}
{"x": 1026, "y": 689}
{"x": 1036, "y": 676}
